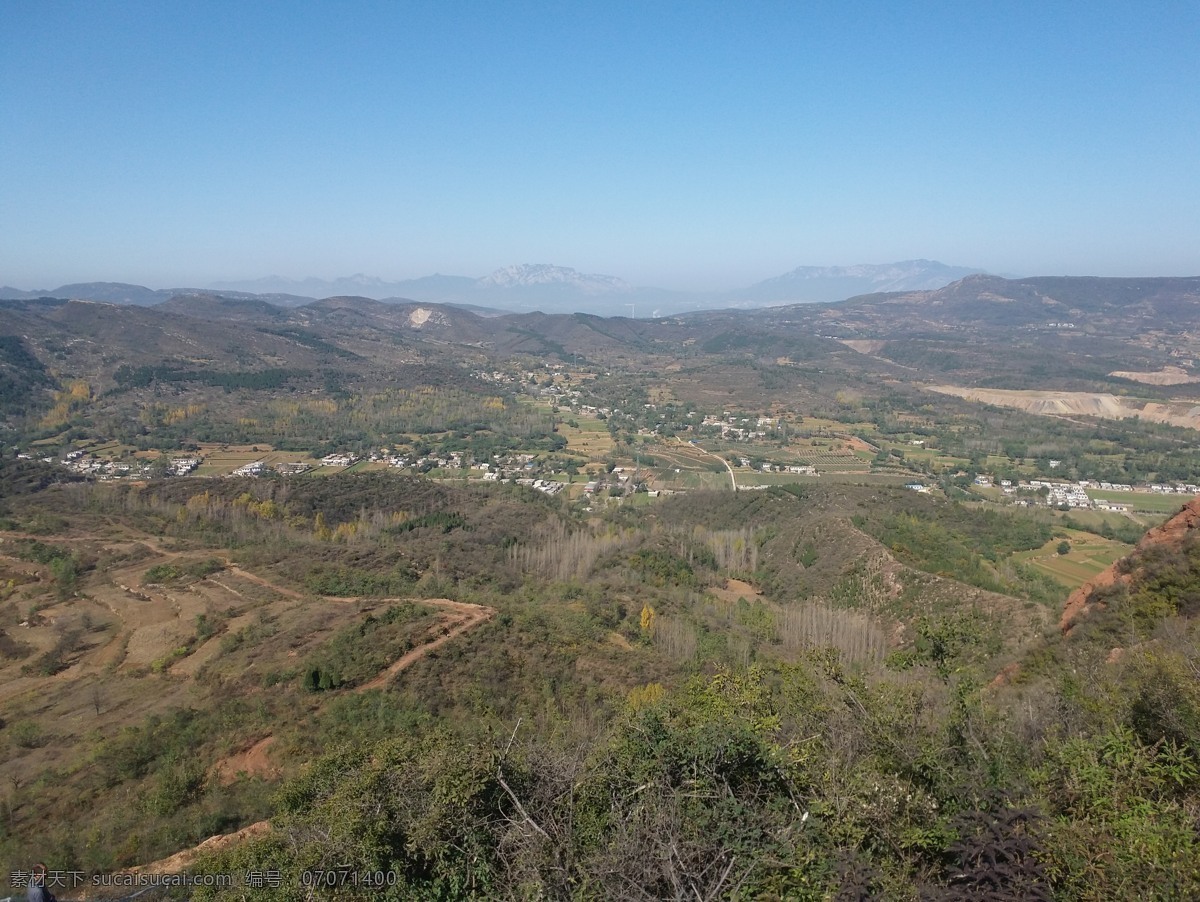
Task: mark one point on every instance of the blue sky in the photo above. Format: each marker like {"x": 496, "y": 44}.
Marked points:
{"x": 687, "y": 145}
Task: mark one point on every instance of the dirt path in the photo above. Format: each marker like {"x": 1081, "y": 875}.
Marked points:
{"x": 267, "y": 584}
{"x": 732, "y": 477}
{"x": 463, "y": 617}
{"x": 456, "y": 619}
{"x": 460, "y": 618}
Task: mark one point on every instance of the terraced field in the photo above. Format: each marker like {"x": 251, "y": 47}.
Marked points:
{"x": 141, "y": 637}
{"x": 589, "y": 438}
{"x": 1089, "y": 555}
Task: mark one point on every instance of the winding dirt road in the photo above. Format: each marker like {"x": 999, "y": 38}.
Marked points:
{"x": 461, "y": 618}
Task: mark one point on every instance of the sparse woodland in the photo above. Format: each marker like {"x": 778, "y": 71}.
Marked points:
{"x": 627, "y": 726}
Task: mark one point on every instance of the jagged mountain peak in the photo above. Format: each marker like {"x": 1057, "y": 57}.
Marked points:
{"x": 527, "y": 274}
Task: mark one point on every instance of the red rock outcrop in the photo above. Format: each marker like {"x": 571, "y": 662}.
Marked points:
{"x": 1171, "y": 534}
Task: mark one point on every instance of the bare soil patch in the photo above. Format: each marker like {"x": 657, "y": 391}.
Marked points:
{"x": 1168, "y": 375}
{"x": 866, "y": 346}
{"x": 735, "y": 589}
{"x": 1091, "y": 404}
{"x": 181, "y": 861}
{"x": 254, "y": 761}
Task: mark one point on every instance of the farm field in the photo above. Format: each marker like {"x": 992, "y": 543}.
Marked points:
{"x": 690, "y": 480}
{"x": 823, "y": 453}
{"x": 590, "y": 438}
{"x": 1089, "y": 555}
{"x": 862, "y": 477}
{"x": 1143, "y": 501}
{"x": 840, "y": 460}
{"x": 222, "y": 460}
{"x": 817, "y": 425}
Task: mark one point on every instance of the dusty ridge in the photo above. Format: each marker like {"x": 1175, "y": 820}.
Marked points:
{"x": 181, "y": 861}
{"x": 1171, "y": 535}
{"x": 1168, "y": 375}
{"x": 1068, "y": 403}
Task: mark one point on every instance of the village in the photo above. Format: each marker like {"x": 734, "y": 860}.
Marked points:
{"x": 1073, "y": 495}
{"x": 606, "y": 432}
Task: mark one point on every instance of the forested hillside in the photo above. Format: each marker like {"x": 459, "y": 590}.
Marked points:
{"x": 769, "y": 694}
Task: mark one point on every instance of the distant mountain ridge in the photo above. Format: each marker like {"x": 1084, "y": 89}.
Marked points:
{"x": 528, "y": 286}
{"x": 836, "y": 283}
{"x": 559, "y": 289}
{"x": 1040, "y": 300}
{"x": 1071, "y": 333}
{"x": 141, "y": 296}
{"x": 542, "y": 286}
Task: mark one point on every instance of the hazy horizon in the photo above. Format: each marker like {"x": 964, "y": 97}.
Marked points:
{"x": 698, "y": 148}
{"x": 219, "y": 283}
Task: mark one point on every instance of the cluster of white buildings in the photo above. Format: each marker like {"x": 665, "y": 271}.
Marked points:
{"x": 104, "y": 469}
{"x": 1060, "y": 493}
{"x": 181, "y": 466}
{"x": 549, "y": 486}
{"x": 1177, "y": 489}
{"x": 620, "y": 478}
{"x": 800, "y": 469}
{"x": 537, "y": 383}
{"x": 451, "y": 461}
{"x": 740, "y": 428}
{"x": 1074, "y": 494}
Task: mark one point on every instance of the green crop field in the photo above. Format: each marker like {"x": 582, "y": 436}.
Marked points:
{"x": 1143, "y": 501}
{"x": 1089, "y": 555}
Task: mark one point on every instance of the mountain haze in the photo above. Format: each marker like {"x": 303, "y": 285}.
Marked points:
{"x": 835, "y": 283}
{"x": 538, "y": 286}
{"x": 562, "y": 289}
